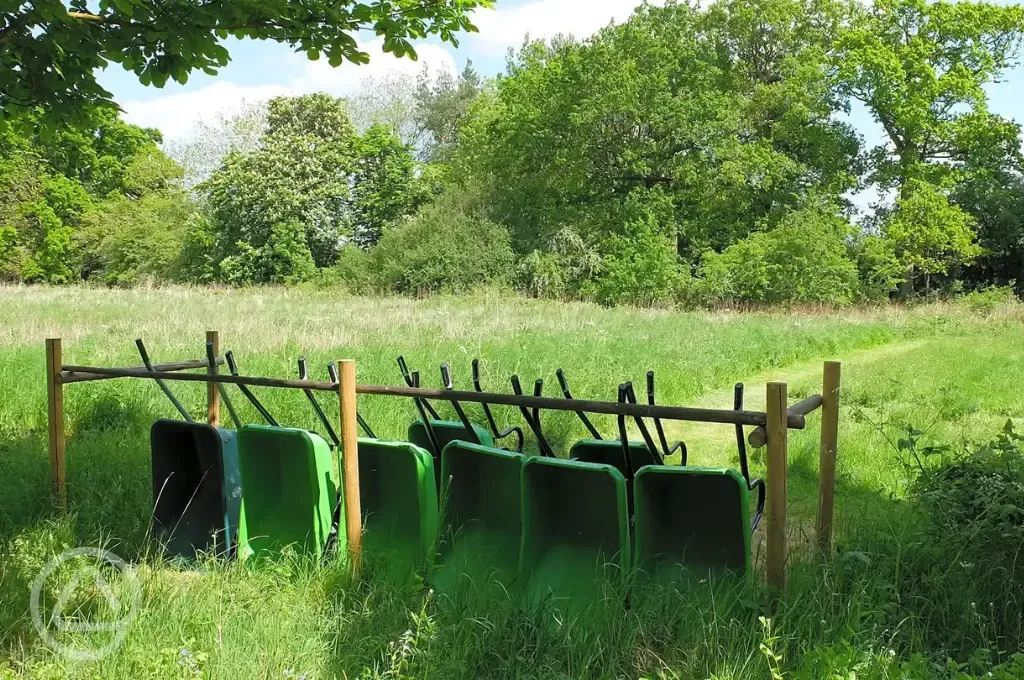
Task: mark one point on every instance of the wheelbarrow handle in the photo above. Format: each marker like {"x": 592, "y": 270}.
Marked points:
{"x": 538, "y": 390}
{"x": 668, "y": 450}
{"x": 560, "y": 374}
{"x": 160, "y": 383}
{"x": 446, "y": 378}
{"x": 741, "y": 441}
{"x": 642, "y": 426}
{"x": 233, "y": 368}
{"x": 759, "y": 512}
{"x": 545, "y": 448}
{"x": 624, "y": 436}
{"x": 303, "y": 374}
{"x": 407, "y": 375}
{"x": 498, "y": 435}
{"x": 414, "y": 380}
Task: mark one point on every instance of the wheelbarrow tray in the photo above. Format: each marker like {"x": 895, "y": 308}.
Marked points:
{"x": 575, "y": 528}
{"x": 196, "y": 487}
{"x": 398, "y": 497}
{"x": 481, "y": 524}
{"x": 696, "y": 518}
{"x": 289, "y": 492}
{"x": 446, "y": 432}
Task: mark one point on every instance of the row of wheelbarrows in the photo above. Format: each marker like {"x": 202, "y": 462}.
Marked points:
{"x": 449, "y": 498}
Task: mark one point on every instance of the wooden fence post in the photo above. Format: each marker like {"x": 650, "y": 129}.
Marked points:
{"x": 55, "y": 419}
{"x": 212, "y": 393}
{"x": 350, "y": 462}
{"x": 778, "y": 442}
{"x": 827, "y": 459}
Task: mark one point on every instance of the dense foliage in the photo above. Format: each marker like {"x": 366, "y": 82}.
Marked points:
{"x": 49, "y": 52}
{"x": 81, "y": 203}
{"x": 280, "y": 211}
{"x": 687, "y": 155}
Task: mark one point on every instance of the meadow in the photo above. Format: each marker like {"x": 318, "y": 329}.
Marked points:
{"x": 892, "y": 601}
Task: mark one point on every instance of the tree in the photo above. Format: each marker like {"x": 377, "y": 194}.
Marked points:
{"x": 388, "y": 100}
{"x": 49, "y": 53}
{"x": 210, "y": 141}
{"x": 442, "y": 106}
{"x": 673, "y": 101}
{"x": 929, "y": 233}
{"x": 126, "y": 241}
{"x": 995, "y": 199}
{"x": 312, "y": 180}
{"x": 920, "y": 68}
{"x": 385, "y": 188}
{"x": 52, "y": 185}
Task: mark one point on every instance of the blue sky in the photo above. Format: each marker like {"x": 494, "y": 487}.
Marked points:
{"x": 260, "y": 70}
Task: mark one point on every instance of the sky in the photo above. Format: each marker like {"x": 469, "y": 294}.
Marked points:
{"x": 263, "y": 69}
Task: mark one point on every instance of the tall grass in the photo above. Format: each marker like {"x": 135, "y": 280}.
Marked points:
{"x": 882, "y": 606}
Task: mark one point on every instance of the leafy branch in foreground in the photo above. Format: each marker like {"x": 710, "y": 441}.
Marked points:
{"x": 49, "y": 53}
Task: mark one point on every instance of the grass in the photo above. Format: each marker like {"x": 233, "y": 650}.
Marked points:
{"x": 873, "y": 609}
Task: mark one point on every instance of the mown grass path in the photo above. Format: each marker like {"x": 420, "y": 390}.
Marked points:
{"x": 707, "y": 442}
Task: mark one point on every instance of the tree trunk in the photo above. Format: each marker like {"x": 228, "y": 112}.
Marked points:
{"x": 906, "y": 289}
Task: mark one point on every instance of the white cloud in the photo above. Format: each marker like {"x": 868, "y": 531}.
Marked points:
{"x": 506, "y": 26}
{"x": 177, "y": 114}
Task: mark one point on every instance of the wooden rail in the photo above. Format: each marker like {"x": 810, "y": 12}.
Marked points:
{"x": 68, "y": 377}
{"x": 72, "y": 373}
{"x": 759, "y": 436}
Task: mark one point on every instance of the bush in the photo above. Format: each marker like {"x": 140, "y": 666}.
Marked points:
{"x": 353, "y": 270}
{"x": 989, "y": 299}
{"x": 804, "y": 259}
{"x": 442, "y": 249}
{"x": 880, "y": 270}
{"x": 639, "y": 266}
{"x": 126, "y": 240}
{"x": 968, "y": 567}
{"x": 981, "y": 494}
{"x": 284, "y": 258}
{"x": 639, "y": 263}
{"x": 562, "y": 271}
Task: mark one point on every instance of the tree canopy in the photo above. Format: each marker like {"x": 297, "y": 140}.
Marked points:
{"x": 686, "y": 155}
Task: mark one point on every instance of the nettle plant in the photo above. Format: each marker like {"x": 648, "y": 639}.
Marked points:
{"x": 979, "y": 488}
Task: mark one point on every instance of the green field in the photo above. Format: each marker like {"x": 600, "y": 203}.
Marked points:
{"x": 879, "y": 607}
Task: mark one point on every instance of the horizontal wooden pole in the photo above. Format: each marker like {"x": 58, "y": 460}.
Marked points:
{"x": 704, "y": 415}
{"x": 806, "y": 406}
{"x": 701, "y": 415}
{"x": 69, "y": 376}
{"x": 759, "y": 436}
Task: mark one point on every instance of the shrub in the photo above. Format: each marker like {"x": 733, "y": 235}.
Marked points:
{"x": 561, "y": 271}
{"x": 989, "y": 299}
{"x": 639, "y": 266}
{"x": 981, "y": 494}
{"x": 804, "y": 259}
{"x": 967, "y": 568}
{"x": 442, "y": 249}
{"x": 639, "y": 262}
{"x": 353, "y": 270}
{"x": 128, "y": 240}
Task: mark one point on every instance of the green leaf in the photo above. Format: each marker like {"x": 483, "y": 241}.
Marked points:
{"x": 125, "y": 7}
